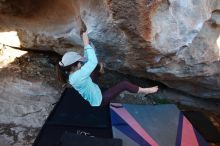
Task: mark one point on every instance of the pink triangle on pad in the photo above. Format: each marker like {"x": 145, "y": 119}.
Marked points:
{"x": 126, "y": 116}
{"x": 188, "y": 135}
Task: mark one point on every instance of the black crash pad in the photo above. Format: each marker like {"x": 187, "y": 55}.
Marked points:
{"x": 73, "y": 114}
{"x": 71, "y": 139}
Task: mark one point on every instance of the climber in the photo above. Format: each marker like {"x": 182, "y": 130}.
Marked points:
{"x": 77, "y": 72}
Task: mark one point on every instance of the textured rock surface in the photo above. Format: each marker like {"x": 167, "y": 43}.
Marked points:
{"x": 171, "y": 41}
{"x": 27, "y": 91}
{"x": 192, "y": 62}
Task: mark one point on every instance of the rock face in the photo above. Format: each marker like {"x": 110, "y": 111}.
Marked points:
{"x": 27, "y": 93}
{"x": 191, "y": 63}
{"x": 173, "y": 41}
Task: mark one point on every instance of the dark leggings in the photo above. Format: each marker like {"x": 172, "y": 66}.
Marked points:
{"x": 114, "y": 91}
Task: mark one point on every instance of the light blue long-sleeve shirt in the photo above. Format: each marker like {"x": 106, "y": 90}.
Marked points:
{"x": 82, "y": 82}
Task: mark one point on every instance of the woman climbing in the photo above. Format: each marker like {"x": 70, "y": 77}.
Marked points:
{"x": 79, "y": 77}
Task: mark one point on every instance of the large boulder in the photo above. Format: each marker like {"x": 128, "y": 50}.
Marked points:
{"x": 188, "y": 35}
{"x": 173, "y": 41}
{"x": 28, "y": 92}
